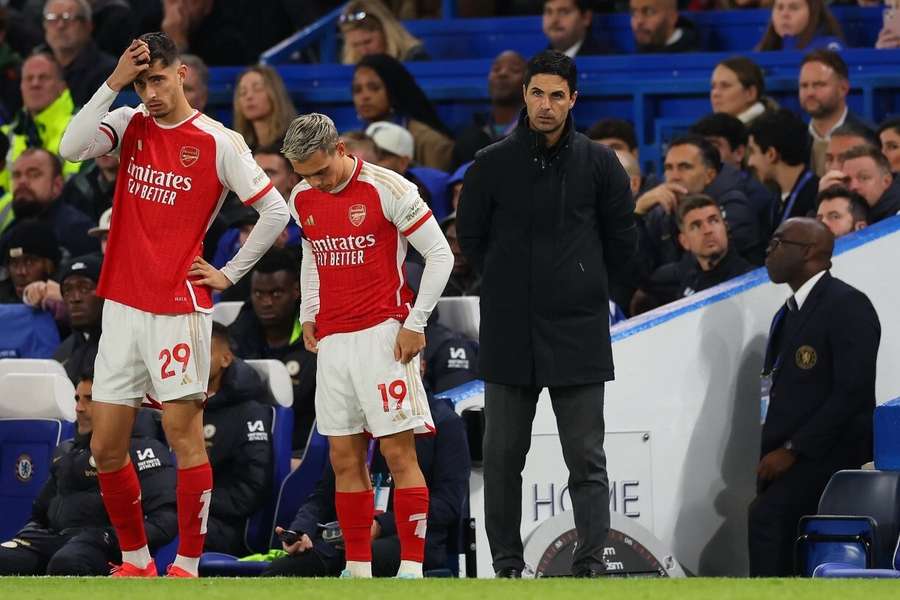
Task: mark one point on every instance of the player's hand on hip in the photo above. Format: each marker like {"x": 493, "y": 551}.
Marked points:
{"x": 408, "y": 344}
{"x": 134, "y": 61}
{"x": 309, "y": 336}
{"x": 203, "y": 273}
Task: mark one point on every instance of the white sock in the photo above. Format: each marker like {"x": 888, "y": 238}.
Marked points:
{"x": 191, "y": 565}
{"x": 410, "y": 567}
{"x": 139, "y": 558}
{"x": 360, "y": 569}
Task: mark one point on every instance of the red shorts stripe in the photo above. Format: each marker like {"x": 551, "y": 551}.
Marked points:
{"x": 412, "y": 228}
{"x": 259, "y": 194}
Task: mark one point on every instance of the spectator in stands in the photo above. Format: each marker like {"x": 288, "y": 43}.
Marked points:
{"x": 657, "y": 27}
{"x": 69, "y": 532}
{"x": 842, "y": 211}
{"x": 801, "y": 25}
{"x": 633, "y": 169}
{"x": 889, "y": 36}
{"x": 10, "y": 65}
{"x": 116, "y": 23}
{"x": 268, "y": 327}
{"x": 889, "y": 137}
{"x": 78, "y": 289}
{"x": 91, "y": 189}
{"x": 707, "y": 262}
{"x": 46, "y": 111}
{"x": 383, "y": 90}
{"x": 866, "y": 171}
{"x": 464, "y": 281}
{"x": 196, "y": 82}
{"x": 505, "y": 91}
{"x": 738, "y": 88}
{"x": 101, "y": 231}
{"x": 209, "y": 29}
{"x": 67, "y": 29}
{"x": 824, "y": 84}
{"x": 263, "y": 110}
{"x": 777, "y": 152}
{"x": 567, "y": 26}
{"x": 30, "y": 253}
{"x": 360, "y": 145}
{"x": 455, "y": 185}
{"x": 445, "y": 463}
{"x": 37, "y": 184}
{"x": 816, "y": 419}
{"x": 693, "y": 166}
{"x": 237, "y": 425}
{"x": 619, "y": 135}
{"x": 842, "y": 139}
{"x": 369, "y": 27}
{"x": 394, "y": 148}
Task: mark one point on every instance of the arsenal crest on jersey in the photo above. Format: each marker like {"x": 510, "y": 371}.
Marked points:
{"x": 357, "y": 214}
{"x": 189, "y": 155}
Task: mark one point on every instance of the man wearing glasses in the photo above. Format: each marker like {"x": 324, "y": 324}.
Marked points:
{"x": 67, "y": 31}
{"x": 818, "y": 391}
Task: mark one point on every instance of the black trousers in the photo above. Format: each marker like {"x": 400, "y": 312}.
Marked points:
{"x": 509, "y": 414}
{"x": 775, "y": 513}
{"x": 40, "y": 552}
{"x": 314, "y": 563}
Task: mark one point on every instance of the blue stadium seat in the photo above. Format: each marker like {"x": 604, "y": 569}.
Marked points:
{"x": 887, "y": 440}
{"x": 26, "y": 448}
{"x": 857, "y": 524}
{"x": 26, "y": 332}
{"x": 165, "y": 556}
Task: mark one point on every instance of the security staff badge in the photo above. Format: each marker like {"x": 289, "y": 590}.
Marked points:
{"x": 806, "y": 357}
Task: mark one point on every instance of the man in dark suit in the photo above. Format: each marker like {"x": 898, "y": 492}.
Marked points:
{"x": 818, "y": 391}
{"x": 567, "y": 25}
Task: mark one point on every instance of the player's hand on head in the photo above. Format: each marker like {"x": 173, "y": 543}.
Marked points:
{"x": 408, "y": 344}
{"x": 309, "y": 336}
{"x": 134, "y": 61}
{"x": 203, "y": 273}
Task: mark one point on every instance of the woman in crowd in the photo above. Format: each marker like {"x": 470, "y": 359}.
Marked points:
{"x": 262, "y": 108}
{"x": 737, "y": 87}
{"x": 369, "y": 27}
{"x": 383, "y": 90}
{"x": 801, "y": 25}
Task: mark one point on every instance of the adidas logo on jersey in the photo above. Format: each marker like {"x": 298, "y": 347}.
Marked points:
{"x": 309, "y": 222}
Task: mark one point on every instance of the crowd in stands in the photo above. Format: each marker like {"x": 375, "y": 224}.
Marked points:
{"x": 725, "y": 186}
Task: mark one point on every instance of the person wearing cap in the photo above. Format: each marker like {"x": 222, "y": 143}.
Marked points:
{"x": 78, "y": 288}
{"x": 101, "y": 231}
{"x": 37, "y": 183}
{"x": 30, "y": 253}
{"x": 394, "y": 149}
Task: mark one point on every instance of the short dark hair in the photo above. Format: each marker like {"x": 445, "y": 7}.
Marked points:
{"x": 551, "y": 62}
{"x": 859, "y": 208}
{"x": 55, "y": 162}
{"x": 276, "y": 150}
{"x": 581, "y": 5}
{"x": 162, "y": 48}
{"x": 86, "y": 375}
{"x": 829, "y": 58}
{"x": 722, "y": 125}
{"x": 892, "y": 124}
{"x": 709, "y": 154}
{"x": 868, "y": 152}
{"x": 693, "y": 202}
{"x": 276, "y": 260}
{"x": 220, "y": 331}
{"x": 854, "y": 130}
{"x": 614, "y": 128}
{"x": 747, "y": 72}
{"x": 786, "y": 132}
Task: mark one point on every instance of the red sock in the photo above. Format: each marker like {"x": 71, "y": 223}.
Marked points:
{"x": 194, "y": 495}
{"x": 411, "y": 515}
{"x": 355, "y": 512}
{"x": 121, "y": 492}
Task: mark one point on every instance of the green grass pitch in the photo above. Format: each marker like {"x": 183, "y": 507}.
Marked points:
{"x": 54, "y": 588}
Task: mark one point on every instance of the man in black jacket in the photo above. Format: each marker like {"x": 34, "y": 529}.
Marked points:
{"x": 866, "y": 171}
{"x": 268, "y": 327}
{"x": 78, "y": 288}
{"x": 237, "y": 425}
{"x": 542, "y": 241}
{"x": 69, "y": 532}
{"x": 818, "y": 391}
{"x": 444, "y": 459}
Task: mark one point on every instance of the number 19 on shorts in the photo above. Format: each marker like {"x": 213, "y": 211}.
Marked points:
{"x": 396, "y": 390}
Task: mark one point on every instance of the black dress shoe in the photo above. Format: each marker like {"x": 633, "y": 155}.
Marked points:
{"x": 589, "y": 574}
{"x": 509, "y": 573}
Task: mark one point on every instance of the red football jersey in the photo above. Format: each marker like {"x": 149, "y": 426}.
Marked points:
{"x": 172, "y": 181}
{"x": 358, "y": 236}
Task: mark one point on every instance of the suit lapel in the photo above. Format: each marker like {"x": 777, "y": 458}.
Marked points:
{"x": 809, "y": 307}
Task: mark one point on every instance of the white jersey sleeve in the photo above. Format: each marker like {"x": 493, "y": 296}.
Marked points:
{"x": 407, "y": 210}
{"x": 309, "y": 284}
{"x": 240, "y": 172}
{"x": 94, "y": 130}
